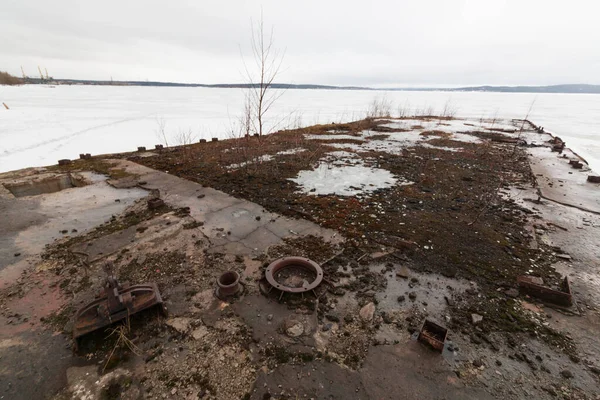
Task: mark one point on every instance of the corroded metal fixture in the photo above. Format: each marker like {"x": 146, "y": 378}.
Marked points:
{"x": 215, "y": 139}
{"x": 534, "y": 287}
{"x": 64, "y": 162}
{"x": 433, "y": 334}
{"x": 141, "y": 148}
{"x": 294, "y": 274}
{"x": 228, "y": 284}
{"x": 155, "y": 203}
{"x": 158, "y": 146}
{"x": 593, "y": 179}
{"x": 116, "y": 302}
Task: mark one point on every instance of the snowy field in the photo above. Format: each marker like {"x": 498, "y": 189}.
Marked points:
{"x": 46, "y": 123}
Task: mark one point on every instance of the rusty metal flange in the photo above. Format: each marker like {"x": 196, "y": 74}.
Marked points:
{"x": 281, "y": 264}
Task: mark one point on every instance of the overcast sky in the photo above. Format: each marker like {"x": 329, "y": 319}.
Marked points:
{"x": 337, "y": 42}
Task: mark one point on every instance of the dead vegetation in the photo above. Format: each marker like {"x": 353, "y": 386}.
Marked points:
{"x": 8, "y": 79}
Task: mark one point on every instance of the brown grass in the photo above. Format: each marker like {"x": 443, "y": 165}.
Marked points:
{"x": 8, "y": 79}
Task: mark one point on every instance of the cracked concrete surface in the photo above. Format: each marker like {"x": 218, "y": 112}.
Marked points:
{"x": 233, "y": 226}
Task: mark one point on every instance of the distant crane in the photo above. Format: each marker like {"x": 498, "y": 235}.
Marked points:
{"x": 23, "y": 72}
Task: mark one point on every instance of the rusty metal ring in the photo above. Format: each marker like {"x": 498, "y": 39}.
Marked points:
{"x": 286, "y": 262}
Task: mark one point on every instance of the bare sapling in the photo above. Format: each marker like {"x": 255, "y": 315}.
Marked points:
{"x": 449, "y": 111}
{"x": 160, "y": 131}
{"x": 268, "y": 60}
{"x": 184, "y": 139}
{"x": 380, "y": 107}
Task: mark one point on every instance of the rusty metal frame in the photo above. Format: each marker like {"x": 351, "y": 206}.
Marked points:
{"x": 562, "y": 297}
{"x": 431, "y": 333}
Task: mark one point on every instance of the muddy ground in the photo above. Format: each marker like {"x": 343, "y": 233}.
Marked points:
{"x": 445, "y": 241}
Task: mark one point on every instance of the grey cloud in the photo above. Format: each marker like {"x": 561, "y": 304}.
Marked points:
{"x": 429, "y": 42}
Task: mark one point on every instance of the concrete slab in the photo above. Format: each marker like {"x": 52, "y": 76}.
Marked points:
{"x": 233, "y": 226}
{"x": 556, "y": 177}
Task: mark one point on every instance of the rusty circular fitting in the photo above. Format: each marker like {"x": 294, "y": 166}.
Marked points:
{"x": 228, "y": 283}
{"x": 279, "y": 266}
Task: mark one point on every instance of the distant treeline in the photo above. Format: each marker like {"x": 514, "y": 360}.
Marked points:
{"x": 573, "y": 88}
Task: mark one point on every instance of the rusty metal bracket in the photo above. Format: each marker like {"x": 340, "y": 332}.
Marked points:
{"x": 530, "y": 285}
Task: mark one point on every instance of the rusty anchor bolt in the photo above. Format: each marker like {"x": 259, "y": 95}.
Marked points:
{"x": 228, "y": 284}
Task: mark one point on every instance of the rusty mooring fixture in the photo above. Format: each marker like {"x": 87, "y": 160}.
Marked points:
{"x": 116, "y": 302}
{"x": 155, "y": 203}
{"x": 293, "y": 275}
{"x": 534, "y": 287}
{"x": 433, "y": 334}
{"x": 228, "y": 284}
{"x": 593, "y": 178}
{"x": 64, "y": 162}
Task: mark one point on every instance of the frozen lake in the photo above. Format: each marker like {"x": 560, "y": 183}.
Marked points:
{"x": 45, "y": 124}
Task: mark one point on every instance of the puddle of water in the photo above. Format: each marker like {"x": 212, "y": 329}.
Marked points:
{"x": 430, "y": 291}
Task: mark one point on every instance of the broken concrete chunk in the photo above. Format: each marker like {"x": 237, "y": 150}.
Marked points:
{"x": 295, "y": 330}
{"x": 403, "y": 272}
{"x": 564, "y": 256}
{"x": 180, "y": 324}
{"x": 476, "y": 318}
{"x": 199, "y": 333}
{"x": 366, "y": 313}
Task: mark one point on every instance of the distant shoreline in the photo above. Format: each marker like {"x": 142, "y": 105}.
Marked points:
{"x": 566, "y": 88}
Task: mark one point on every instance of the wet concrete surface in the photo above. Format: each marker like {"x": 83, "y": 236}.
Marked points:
{"x": 558, "y": 181}
{"x": 31, "y": 222}
{"x": 32, "y": 358}
{"x": 395, "y": 366}
{"x": 233, "y": 226}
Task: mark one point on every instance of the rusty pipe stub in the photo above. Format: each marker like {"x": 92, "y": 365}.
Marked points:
{"x": 280, "y": 265}
{"x": 228, "y": 284}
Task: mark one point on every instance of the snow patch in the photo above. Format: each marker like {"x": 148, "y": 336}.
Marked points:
{"x": 344, "y": 180}
{"x": 257, "y": 160}
{"x": 291, "y": 151}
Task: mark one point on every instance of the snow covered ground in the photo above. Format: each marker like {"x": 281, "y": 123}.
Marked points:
{"x": 45, "y": 123}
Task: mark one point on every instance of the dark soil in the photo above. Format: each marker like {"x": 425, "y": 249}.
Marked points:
{"x": 451, "y": 221}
